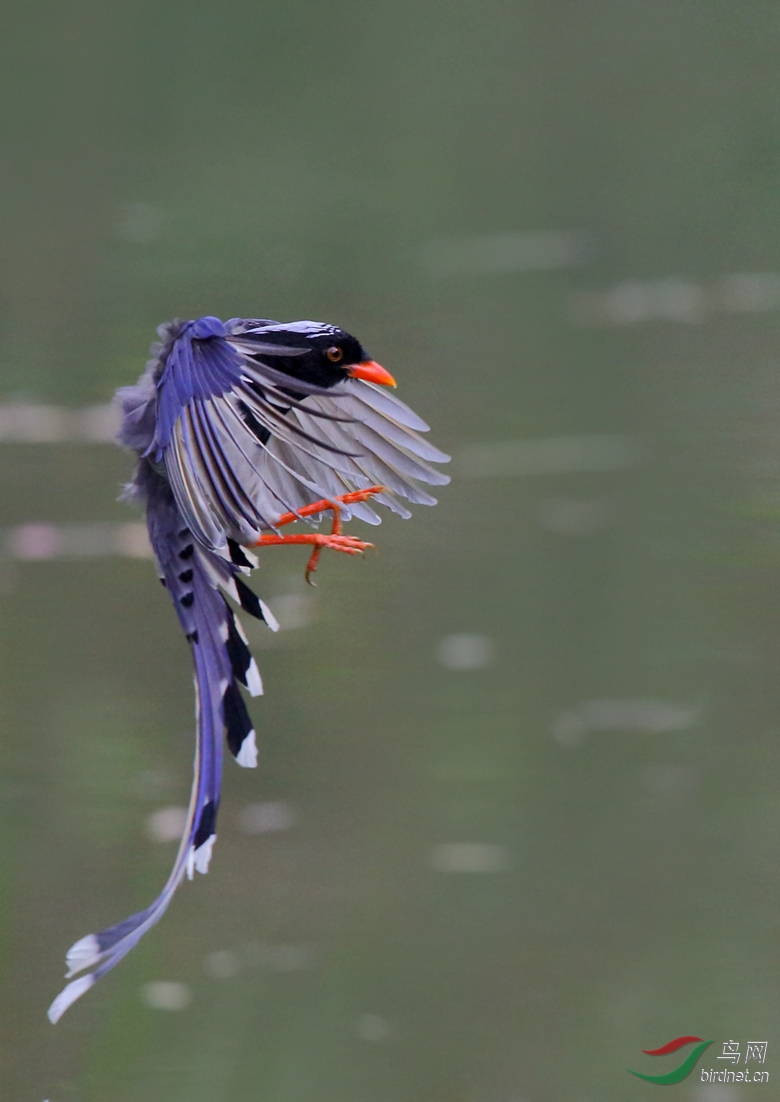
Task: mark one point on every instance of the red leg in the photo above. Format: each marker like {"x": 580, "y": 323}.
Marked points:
{"x": 350, "y": 545}
{"x": 328, "y": 503}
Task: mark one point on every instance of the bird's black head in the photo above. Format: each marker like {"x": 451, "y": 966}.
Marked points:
{"x": 314, "y": 352}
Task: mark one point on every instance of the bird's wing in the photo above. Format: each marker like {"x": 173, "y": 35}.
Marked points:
{"x": 240, "y": 443}
{"x": 268, "y": 445}
{"x": 193, "y": 576}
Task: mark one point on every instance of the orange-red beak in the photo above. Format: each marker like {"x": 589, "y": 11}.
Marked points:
{"x": 372, "y": 372}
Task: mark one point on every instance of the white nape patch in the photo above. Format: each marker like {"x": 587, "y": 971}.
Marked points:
{"x": 254, "y": 681}
{"x": 247, "y": 755}
{"x": 223, "y": 684}
{"x": 224, "y": 631}
{"x": 81, "y": 955}
{"x": 198, "y": 859}
{"x": 269, "y": 617}
{"x": 73, "y": 991}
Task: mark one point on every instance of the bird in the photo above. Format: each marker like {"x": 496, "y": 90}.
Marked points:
{"x": 240, "y": 428}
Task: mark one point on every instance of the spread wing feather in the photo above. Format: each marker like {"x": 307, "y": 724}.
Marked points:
{"x": 252, "y": 453}
{"x": 228, "y": 443}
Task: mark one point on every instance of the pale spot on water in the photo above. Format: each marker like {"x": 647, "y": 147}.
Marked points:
{"x": 465, "y": 651}
{"x": 293, "y": 610}
{"x": 222, "y": 964}
{"x": 715, "y": 1093}
{"x": 466, "y": 857}
{"x": 266, "y": 818}
{"x": 166, "y": 995}
{"x": 372, "y": 1027}
{"x": 167, "y": 824}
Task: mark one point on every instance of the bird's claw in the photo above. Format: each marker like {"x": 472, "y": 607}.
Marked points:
{"x": 335, "y": 539}
{"x": 349, "y": 545}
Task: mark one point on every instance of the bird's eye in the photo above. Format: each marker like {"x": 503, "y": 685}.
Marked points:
{"x": 335, "y": 353}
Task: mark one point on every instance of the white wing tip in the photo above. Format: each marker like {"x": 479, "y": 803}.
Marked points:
{"x": 83, "y": 954}
{"x": 249, "y": 556}
{"x": 230, "y": 588}
{"x": 68, "y": 996}
{"x": 254, "y": 681}
{"x": 247, "y": 755}
{"x": 269, "y": 617}
{"x": 198, "y": 859}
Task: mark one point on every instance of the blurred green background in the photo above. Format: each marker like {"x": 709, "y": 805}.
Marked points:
{"x": 516, "y": 812}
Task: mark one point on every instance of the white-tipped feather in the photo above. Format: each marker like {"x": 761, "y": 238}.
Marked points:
{"x": 247, "y": 755}
{"x": 252, "y": 559}
{"x": 238, "y": 456}
{"x": 269, "y": 617}
{"x": 198, "y": 859}
{"x": 231, "y": 589}
{"x": 254, "y": 681}
{"x": 67, "y": 996}
{"x": 240, "y": 629}
{"x": 228, "y": 483}
{"x": 83, "y": 954}
{"x": 218, "y": 576}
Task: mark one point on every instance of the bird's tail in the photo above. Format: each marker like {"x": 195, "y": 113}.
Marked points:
{"x": 222, "y": 660}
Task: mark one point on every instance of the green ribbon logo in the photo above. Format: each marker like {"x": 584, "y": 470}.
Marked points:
{"x": 685, "y": 1068}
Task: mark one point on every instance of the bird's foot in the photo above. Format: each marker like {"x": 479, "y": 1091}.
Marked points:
{"x": 335, "y": 540}
{"x": 349, "y": 545}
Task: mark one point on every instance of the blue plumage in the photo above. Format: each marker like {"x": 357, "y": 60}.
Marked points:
{"x": 200, "y": 364}
{"x": 239, "y": 427}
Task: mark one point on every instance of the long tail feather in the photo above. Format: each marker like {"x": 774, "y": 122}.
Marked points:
{"x": 232, "y": 435}
{"x": 223, "y": 662}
